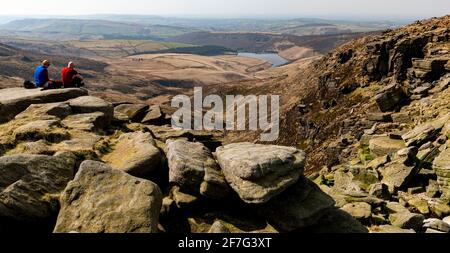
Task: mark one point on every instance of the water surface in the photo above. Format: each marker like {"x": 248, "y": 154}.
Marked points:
{"x": 273, "y": 58}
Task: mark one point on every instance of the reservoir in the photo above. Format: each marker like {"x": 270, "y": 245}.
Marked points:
{"x": 275, "y": 59}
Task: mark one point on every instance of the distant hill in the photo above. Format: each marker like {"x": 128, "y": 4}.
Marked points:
{"x": 93, "y": 28}
{"x": 6, "y": 19}
{"x": 148, "y": 26}
{"x": 298, "y": 26}
{"x": 197, "y": 50}
{"x": 265, "y": 42}
{"x": 93, "y": 49}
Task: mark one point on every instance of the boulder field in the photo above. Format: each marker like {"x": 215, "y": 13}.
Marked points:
{"x": 400, "y": 177}
{"x": 81, "y": 164}
{"x": 71, "y": 166}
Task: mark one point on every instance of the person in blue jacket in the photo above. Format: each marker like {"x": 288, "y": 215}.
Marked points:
{"x": 41, "y": 74}
{"x": 41, "y": 77}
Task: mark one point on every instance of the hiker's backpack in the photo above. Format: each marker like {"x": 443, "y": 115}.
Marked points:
{"x": 29, "y": 85}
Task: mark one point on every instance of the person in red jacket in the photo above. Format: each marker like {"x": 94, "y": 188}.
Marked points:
{"x": 70, "y": 76}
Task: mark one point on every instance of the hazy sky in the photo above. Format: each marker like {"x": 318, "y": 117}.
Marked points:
{"x": 232, "y": 8}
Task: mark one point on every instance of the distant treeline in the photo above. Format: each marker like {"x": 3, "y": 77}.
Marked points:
{"x": 197, "y": 50}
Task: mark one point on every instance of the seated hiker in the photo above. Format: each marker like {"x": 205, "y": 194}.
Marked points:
{"x": 41, "y": 74}
{"x": 70, "y": 76}
{"x": 41, "y": 77}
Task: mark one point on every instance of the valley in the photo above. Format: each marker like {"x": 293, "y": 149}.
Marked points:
{"x": 133, "y": 61}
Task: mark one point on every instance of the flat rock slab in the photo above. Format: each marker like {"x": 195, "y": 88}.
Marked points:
{"x": 27, "y": 181}
{"x": 135, "y": 153}
{"x": 104, "y": 200}
{"x": 259, "y": 172}
{"x": 382, "y": 146}
{"x": 193, "y": 168}
{"x": 89, "y": 104}
{"x": 15, "y": 100}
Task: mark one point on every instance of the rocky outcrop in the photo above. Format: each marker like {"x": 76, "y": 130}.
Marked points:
{"x": 259, "y": 172}
{"x": 15, "y": 100}
{"x": 427, "y": 69}
{"x": 390, "y": 97}
{"x": 103, "y": 200}
{"x": 28, "y": 183}
{"x": 396, "y": 124}
{"x": 409, "y": 157}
